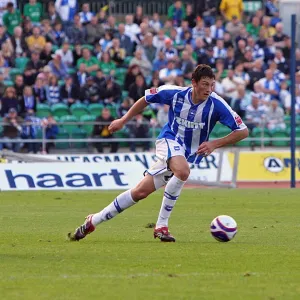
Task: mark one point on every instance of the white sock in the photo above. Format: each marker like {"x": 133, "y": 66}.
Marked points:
{"x": 122, "y": 202}
{"x": 171, "y": 194}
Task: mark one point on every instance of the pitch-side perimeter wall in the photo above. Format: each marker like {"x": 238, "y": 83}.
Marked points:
{"x": 123, "y": 171}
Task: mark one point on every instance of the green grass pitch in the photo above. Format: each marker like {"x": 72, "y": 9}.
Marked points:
{"x": 121, "y": 260}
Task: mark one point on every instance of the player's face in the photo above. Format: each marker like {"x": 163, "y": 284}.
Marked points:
{"x": 203, "y": 88}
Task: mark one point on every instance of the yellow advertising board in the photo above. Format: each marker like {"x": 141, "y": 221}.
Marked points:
{"x": 265, "y": 166}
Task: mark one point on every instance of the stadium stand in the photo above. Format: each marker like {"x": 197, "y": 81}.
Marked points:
{"x": 77, "y": 62}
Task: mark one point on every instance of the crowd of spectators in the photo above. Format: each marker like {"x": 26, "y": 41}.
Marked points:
{"x": 69, "y": 55}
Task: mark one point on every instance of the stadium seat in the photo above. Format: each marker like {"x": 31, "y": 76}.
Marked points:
{"x": 69, "y": 128}
{"x": 78, "y": 110}
{"x": 223, "y": 131}
{"x": 88, "y": 127}
{"x": 244, "y": 143}
{"x": 43, "y": 110}
{"x": 21, "y": 62}
{"x": 79, "y": 133}
{"x": 59, "y": 110}
{"x": 257, "y": 133}
{"x": 124, "y": 94}
{"x": 113, "y": 110}
{"x": 127, "y": 60}
{"x": 13, "y": 72}
{"x": 71, "y": 71}
{"x": 279, "y": 133}
{"x": 298, "y": 136}
{"x": 120, "y": 74}
{"x": 87, "y": 46}
{"x": 8, "y": 83}
{"x": 62, "y": 135}
{"x": 95, "y": 109}
{"x": 122, "y": 134}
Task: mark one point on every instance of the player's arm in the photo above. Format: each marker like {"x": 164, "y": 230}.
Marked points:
{"x": 207, "y": 148}
{"x": 230, "y": 119}
{"x": 138, "y": 107}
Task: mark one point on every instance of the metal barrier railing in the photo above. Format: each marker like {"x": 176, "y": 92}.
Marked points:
{"x": 257, "y": 141}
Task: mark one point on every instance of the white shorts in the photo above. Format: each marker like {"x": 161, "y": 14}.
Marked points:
{"x": 165, "y": 149}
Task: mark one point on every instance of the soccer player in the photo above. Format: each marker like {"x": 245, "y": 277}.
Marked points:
{"x": 193, "y": 114}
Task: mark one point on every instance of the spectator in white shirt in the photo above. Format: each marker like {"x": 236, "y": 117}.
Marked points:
{"x": 255, "y": 113}
{"x": 269, "y": 86}
{"x": 169, "y": 74}
{"x": 66, "y": 54}
{"x": 85, "y": 15}
{"x": 275, "y": 116}
{"x": 217, "y": 31}
{"x": 219, "y": 50}
{"x": 131, "y": 29}
{"x": 155, "y": 23}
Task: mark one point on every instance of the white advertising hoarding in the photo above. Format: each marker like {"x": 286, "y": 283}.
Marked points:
{"x": 103, "y": 172}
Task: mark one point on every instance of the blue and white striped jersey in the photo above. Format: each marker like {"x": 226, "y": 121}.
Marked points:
{"x": 190, "y": 124}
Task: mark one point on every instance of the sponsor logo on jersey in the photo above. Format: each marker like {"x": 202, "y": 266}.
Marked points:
{"x": 238, "y": 120}
{"x": 153, "y": 91}
{"x": 189, "y": 124}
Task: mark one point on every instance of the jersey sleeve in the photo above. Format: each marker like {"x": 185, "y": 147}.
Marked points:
{"x": 162, "y": 95}
{"x": 229, "y": 117}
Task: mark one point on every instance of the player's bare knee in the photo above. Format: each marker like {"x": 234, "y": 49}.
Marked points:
{"x": 182, "y": 174}
{"x": 139, "y": 194}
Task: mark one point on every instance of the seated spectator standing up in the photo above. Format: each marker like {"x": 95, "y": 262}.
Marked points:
{"x": 9, "y": 100}
{"x": 51, "y": 131}
{"x": 101, "y": 131}
{"x": 12, "y": 129}
{"x": 33, "y": 10}
{"x": 12, "y": 18}
{"x": 69, "y": 92}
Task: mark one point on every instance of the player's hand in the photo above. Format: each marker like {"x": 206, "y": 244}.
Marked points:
{"x": 116, "y": 125}
{"x": 206, "y": 148}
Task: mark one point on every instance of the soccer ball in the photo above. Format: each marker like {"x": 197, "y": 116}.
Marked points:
{"x": 223, "y": 228}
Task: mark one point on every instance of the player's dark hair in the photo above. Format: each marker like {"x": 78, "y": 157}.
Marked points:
{"x": 203, "y": 71}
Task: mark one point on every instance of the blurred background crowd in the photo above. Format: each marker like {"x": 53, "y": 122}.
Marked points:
{"x": 62, "y": 63}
